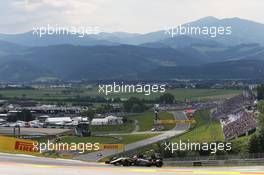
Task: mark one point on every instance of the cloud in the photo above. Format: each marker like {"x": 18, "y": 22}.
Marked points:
{"x": 120, "y": 15}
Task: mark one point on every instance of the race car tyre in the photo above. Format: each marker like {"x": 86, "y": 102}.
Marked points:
{"x": 159, "y": 164}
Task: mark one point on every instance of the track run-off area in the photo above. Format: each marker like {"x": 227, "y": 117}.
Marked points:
{"x": 30, "y": 165}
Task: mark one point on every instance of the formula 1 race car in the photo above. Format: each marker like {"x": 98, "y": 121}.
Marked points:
{"x": 121, "y": 161}
{"x": 137, "y": 160}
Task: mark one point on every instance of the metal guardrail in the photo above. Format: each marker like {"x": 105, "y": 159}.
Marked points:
{"x": 231, "y": 162}
{"x": 218, "y": 157}
{"x": 220, "y": 160}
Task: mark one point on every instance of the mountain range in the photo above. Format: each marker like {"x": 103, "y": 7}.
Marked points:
{"x": 120, "y": 55}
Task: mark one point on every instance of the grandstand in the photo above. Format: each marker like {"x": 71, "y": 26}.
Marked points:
{"x": 237, "y": 125}
{"x": 234, "y": 105}
{"x": 235, "y": 119}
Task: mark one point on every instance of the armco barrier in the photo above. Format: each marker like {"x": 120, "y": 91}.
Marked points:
{"x": 231, "y": 162}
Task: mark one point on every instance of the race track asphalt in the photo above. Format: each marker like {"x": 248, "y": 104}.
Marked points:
{"x": 29, "y": 165}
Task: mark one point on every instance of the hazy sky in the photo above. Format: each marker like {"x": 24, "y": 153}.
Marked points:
{"x": 138, "y": 16}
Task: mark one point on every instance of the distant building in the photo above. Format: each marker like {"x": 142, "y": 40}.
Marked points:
{"x": 110, "y": 120}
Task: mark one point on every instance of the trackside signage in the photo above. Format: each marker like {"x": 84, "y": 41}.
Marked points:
{"x": 119, "y": 147}
{"x": 172, "y": 122}
{"x": 14, "y": 145}
{"x": 10, "y": 144}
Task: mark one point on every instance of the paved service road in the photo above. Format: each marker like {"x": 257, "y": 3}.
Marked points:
{"x": 28, "y": 165}
{"x": 180, "y": 128}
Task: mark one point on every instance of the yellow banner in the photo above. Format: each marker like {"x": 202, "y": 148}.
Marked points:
{"x": 14, "y": 145}
{"x": 112, "y": 147}
{"x": 172, "y": 122}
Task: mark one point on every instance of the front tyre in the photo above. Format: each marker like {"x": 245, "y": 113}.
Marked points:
{"x": 159, "y": 164}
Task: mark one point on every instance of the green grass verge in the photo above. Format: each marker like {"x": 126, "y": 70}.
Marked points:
{"x": 145, "y": 121}
{"x": 206, "y": 129}
{"x": 126, "y": 139}
{"x": 60, "y": 93}
{"x": 122, "y": 139}
{"x": 92, "y": 139}
{"x": 125, "y": 128}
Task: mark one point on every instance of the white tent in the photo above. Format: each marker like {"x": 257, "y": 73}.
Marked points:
{"x": 110, "y": 120}
{"x": 58, "y": 120}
